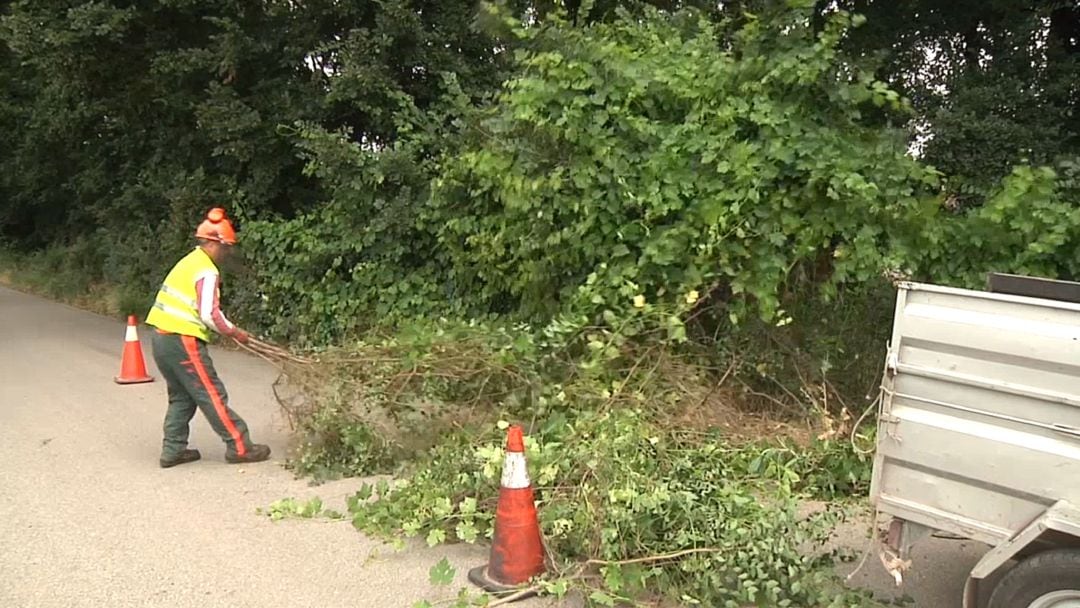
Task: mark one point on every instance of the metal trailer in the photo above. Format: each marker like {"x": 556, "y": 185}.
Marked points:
{"x": 979, "y": 434}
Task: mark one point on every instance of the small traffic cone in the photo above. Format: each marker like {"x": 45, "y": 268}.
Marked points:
{"x": 517, "y": 553}
{"x": 132, "y": 366}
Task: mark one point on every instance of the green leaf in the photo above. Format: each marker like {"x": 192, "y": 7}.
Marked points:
{"x": 613, "y": 577}
{"x": 442, "y": 573}
{"x": 312, "y": 508}
{"x": 557, "y": 588}
{"x": 466, "y": 532}
{"x": 435, "y": 537}
{"x": 467, "y": 506}
{"x": 602, "y": 598}
{"x": 442, "y": 507}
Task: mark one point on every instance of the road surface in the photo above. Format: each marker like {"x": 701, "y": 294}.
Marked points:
{"x": 88, "y": 519}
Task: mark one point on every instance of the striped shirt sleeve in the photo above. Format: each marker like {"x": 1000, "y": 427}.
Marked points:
{"x": 207, "y": 294}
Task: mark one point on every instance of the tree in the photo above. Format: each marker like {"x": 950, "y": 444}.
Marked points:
{"x": 637, "y": 158}
{"x": 994, "y": 83}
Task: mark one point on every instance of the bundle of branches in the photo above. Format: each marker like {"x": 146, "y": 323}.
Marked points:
{"x": 406, "y": 389}
{"x": 273, "y": 353}
{"x": 289, "y": 364}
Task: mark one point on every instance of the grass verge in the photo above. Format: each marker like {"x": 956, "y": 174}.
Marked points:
{"x": 64, "y": 275}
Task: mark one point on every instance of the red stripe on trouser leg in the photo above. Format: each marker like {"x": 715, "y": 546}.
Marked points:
{"x": 517, "y": 553}
{"x": 192, "y": 349}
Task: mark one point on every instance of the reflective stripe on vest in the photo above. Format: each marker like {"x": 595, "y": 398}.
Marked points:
{"x": 175, "y": 309}
{"x": 179, "y": 296}
{"x": 179, "y": 314}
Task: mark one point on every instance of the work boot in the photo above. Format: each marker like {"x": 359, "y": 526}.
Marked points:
{"x": 181, "y": 458}
{"x": 256, "y": 453}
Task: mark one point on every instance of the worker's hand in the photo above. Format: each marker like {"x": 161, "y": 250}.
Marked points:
{"x": 241, "y": 336}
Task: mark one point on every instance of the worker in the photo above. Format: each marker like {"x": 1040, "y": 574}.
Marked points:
{"x": 186, "y": 309}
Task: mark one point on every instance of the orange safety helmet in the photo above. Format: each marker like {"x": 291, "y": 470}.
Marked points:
{"x": 217, "y": 227}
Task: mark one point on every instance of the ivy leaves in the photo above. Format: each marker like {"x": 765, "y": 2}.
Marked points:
{"x": 653, "y": 511}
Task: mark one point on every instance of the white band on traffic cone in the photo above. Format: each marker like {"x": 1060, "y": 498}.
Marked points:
{"x": 515, "y": 474}
{"x": 131, "y": 335}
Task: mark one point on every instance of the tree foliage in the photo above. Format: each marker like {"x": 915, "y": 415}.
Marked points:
{"x": 994, "y": 83}
{"x": 537, "y": 159}
{"x": 134, "y": 118}
{"x": 637, "y": 158}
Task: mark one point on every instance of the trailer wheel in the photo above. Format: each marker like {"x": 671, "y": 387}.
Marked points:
{"x": 1050, "y": 579}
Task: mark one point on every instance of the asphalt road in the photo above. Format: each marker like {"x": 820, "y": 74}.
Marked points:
{"x": 939, "y": 568}
{"x": 88, "y": 519}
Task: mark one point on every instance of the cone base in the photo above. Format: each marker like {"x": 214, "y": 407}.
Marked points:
{"x": 141, "y": 380}
{"x": 479, "y": 576}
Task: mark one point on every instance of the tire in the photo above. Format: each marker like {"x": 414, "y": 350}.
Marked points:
{"x": 1038, "y": 578}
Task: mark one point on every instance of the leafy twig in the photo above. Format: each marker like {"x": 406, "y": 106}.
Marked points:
{"x": 581, "y": 575}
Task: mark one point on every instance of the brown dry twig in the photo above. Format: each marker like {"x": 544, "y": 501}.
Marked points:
{"x": 272, "y": 361}
{"x": 652, "y": 558}
{"x": 515, "y": 596}
{"x": 719, "y": 384}
{"x": 273, "y": 351}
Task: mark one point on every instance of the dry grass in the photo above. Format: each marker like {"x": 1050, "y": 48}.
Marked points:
{"x": 410, "y": 400}
{"x": 694, "y": 397}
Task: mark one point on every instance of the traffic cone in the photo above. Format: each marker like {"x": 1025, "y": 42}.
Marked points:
{"x": 517, "y": 553}
{"x": 132, "y": 366}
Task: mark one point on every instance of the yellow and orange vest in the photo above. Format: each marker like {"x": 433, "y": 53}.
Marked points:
{"x": 175, "y": 309}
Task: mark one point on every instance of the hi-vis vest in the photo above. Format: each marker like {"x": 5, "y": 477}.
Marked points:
{"x": 175, "y": 309}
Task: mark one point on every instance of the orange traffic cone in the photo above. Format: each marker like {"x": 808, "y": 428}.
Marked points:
{"x": 132, "y": 366}
{"x": 517, "y": 553}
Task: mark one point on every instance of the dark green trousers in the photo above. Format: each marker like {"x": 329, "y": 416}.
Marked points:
{"x": 184, "y": 362}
